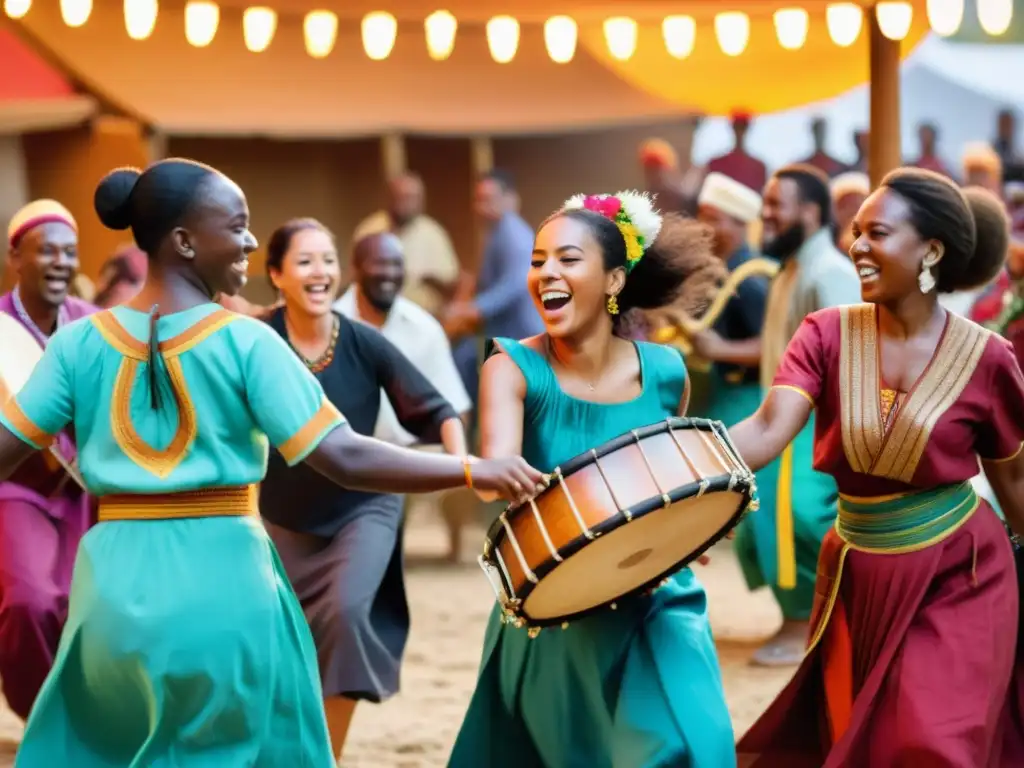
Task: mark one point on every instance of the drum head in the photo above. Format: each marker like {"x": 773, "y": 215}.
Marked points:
{"x": 632, "y": 556}
{"x": 19, "y": 354}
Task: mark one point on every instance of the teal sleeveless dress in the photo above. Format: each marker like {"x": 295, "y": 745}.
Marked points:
{"x": 637, "y": 687}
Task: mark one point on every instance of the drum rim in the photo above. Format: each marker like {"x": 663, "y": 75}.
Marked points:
{"x": 587, "y": 458}
{"x": 721, "y": 483}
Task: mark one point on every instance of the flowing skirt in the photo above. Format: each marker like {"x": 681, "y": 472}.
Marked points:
{"x": 914, "y": 666}
{"x": 352, "y": 590}
{"x": 184, "y": 648}
{"x": 636, "y": 687}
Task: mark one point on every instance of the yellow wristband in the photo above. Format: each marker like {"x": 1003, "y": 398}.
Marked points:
{"x": 466, "y": 462}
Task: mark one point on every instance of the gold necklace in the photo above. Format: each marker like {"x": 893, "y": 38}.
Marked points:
{"x": 550, "y": 355}
{"x": 326, "y": 357}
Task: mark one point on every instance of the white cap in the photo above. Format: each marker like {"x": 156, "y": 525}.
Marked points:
{"x": 730, "y": 197}
{"x": 850, "y": 183}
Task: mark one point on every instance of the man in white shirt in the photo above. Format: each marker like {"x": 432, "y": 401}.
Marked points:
{"x": 431, "y": 266}
{"x": 378, "y": 273}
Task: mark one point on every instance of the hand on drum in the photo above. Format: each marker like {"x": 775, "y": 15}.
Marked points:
{"x": 511, "y": 478}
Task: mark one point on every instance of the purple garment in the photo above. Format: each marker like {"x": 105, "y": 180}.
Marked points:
{"x": 43, "y": 516}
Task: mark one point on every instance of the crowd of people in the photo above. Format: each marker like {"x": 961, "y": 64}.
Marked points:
{"x": 238, "y": 586}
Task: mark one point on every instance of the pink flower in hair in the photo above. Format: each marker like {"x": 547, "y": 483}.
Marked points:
{"x": 607, "y": 205}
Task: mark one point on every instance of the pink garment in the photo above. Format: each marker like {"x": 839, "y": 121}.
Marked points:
{"x": 43, "y": 516}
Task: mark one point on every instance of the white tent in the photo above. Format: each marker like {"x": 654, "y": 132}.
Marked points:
{"x": 960, "y": 87}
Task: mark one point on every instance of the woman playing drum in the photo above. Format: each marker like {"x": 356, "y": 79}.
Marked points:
{"x": 914, "y": 629}
{"x": 184, "y": 645}
{"x": 639, "y": 686}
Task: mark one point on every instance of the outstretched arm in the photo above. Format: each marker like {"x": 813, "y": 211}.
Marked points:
{"x": 365, "y": 464}
{"x": 765, "y": 435}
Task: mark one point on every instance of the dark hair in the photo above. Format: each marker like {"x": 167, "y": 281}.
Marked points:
{"x": 971, "y": 224}
{"x": 812, "y": 187}
{"x": 501, "y": 177}
{"x": 152, "y": 202}
{"x": 679, "y": 267}
{"x": 281, "y": 239}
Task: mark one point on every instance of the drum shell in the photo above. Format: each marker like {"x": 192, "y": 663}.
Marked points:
{"x": 629, "y": 479}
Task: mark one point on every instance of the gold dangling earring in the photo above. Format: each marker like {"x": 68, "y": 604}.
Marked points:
{"x": 613, "y": 305}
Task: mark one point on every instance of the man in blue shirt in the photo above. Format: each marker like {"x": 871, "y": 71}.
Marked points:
{"x": 501, "y": 304}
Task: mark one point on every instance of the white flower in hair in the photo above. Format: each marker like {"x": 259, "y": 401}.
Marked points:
{"x": 639, "y": 207}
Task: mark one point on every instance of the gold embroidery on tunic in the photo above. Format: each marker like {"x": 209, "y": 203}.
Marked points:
{"x": 858, "y": 390}
{"x": 885, "y": 434}
{"x": 159, "y": 462}
{"x": 941, "y": 384}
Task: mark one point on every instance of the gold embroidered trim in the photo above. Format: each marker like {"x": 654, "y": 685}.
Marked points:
{"x": 231, "y": 501}
{"x": 802, "y": 392}
{"x": 158, "y": 462}
{"x": 943, "y": 381}
{"x": 860, "y": 413}
{"x": 301, "y": 442}
{"x": 25, "y": 426}
{"x": 1003, "y": 460}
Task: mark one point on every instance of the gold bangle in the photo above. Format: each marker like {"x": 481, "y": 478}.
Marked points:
{"x": 466, "y": 462}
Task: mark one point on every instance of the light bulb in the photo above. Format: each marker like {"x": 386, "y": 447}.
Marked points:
{"x": 320, "y": 30}
{"x": 894, "y": 19}
{"x": 75, "y": 12}
{"x": 140, "y": 18}
{"x": 440, "y": 28}
{"x": 379, "y": 32}
{"x": 791, "y": 27}
{"x": 732, "y": 29}
{"x": 258, "y": 27}
{"x": 503, "y": 38}
{"x": 995, "y": 15}
{"x": 17, "y": 9}
{"x": 201, "y": 20}
{"x": 844, "y": 21}
{"x": 620, "y": 37}
{"x": 680, "y": 34}
{"x": 560, "y": 34}
{"x": 944, "y": 16}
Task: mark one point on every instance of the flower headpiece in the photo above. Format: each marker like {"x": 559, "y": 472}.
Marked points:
{"x": 632, "y": 212}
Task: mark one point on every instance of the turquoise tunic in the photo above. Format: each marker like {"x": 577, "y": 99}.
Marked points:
{"x": 184, "y": 645}
{"x": 637, "y": 687}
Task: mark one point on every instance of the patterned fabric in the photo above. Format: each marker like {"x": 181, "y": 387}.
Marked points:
{"x": 184, "y": 644}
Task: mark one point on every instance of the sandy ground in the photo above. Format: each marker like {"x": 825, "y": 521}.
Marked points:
{"x": 450, "y": 605}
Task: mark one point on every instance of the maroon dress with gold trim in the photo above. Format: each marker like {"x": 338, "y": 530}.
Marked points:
{"x": 910, "y": 662}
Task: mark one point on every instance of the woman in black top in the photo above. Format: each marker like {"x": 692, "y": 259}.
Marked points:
{"x": 340, "y": 548}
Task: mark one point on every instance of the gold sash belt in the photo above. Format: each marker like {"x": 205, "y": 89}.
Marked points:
{"x": 238, "y": 501}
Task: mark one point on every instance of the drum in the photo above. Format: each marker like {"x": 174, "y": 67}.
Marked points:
{"x": 616, "y": 521}
{"x": 19, "y": 355}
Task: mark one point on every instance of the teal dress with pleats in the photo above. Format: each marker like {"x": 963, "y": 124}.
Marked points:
{"x": 636, "y": 687}
{"x": 185, "y": 646}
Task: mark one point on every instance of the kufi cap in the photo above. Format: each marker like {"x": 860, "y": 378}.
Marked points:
{"x": 730, "y": 197}
{"x": 34, "y": 214}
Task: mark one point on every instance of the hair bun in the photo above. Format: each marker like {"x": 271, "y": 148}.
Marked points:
{"x": 112, "y": 199}
{"x": 992, "y": 234}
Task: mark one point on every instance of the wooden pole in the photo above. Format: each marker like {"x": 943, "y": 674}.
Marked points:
{"x": 884, "y": 146}
{"x": 392, "y": 153}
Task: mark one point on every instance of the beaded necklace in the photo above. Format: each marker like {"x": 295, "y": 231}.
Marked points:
{"x": 327, "y": 357}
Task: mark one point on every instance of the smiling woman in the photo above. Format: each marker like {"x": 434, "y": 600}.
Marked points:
{"x": 183, "y": 643}
{"x": 341, "y": 549}
{"x": 917, "y": 574}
